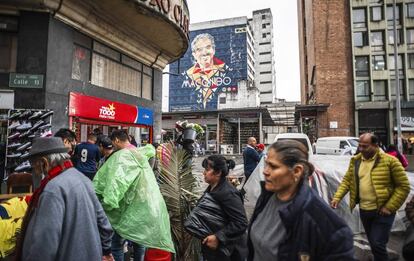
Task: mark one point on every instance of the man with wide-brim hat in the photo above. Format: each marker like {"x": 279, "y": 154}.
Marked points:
{"x": 64, "y": 220}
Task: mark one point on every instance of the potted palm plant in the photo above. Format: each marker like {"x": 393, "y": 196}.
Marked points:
{"x": 179, "y": 188}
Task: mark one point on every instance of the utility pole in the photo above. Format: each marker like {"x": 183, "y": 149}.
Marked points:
{"x": 397, "y": 79}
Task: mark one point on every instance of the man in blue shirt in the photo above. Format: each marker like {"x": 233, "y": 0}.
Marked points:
{"x": 87, "y": 156}
{"x": 250, "y": 157}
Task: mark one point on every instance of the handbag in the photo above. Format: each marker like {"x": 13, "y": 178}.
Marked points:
{"x": 206, "y": 219}
{"x": 408, "y": 247}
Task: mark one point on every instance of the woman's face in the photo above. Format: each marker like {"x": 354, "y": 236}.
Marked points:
{"x": 278, "y": 177}
{"x": 210, "y": 177}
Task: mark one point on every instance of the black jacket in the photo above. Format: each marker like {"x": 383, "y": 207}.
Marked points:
{"x": 250, "y": 158}
{"x": 313, "y": 230}
{"x": 233, "y": 235}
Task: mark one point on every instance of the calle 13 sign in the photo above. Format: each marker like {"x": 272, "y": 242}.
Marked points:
{"x": 26, "y": 80}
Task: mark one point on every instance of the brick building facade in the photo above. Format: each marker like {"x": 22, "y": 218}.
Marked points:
{"x": 326, "y": 68}
{"x": 348, "y": 67}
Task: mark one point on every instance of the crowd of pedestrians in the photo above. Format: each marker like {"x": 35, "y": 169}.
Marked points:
{"x": 93, "y": 198}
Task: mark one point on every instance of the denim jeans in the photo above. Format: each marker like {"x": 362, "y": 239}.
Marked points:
{"x": 117, "y": 248}
{"x": 378, "y": 230}
{"x": 139, "y": 252}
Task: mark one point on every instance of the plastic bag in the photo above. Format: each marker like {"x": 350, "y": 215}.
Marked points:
{"x": 206, "y": 218}
{"x": 131, "y": 198}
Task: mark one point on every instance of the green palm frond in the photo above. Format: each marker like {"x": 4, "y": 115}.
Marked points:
{"x": 179, "y": 188}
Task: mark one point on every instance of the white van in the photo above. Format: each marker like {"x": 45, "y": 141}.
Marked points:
{"x": 301, "y": 137}
{"x": 337, "y": 145}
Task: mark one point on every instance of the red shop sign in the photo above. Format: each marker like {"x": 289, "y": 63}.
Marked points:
{"x": 90, "y": 107}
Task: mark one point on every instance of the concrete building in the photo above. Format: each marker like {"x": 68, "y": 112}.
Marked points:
{"x": 264, "y": 63}
{"x": 246, "y": 97}
{"x": 89, "y": 55}
{"x": 347, "y": 67}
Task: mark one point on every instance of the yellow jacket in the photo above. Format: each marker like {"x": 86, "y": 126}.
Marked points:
{"x": 388, "y": 178}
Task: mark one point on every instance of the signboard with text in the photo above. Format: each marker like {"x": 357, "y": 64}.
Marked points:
{"x": 90, "y": 107}
{"x": 20, "y": 80}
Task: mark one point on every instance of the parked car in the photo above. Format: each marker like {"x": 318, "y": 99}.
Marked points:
{"x": 301, "y": 137}
{"x": 337, "y": 145}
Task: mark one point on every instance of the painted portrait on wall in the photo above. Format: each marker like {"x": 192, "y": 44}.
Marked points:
{"x": 208, "y": 75}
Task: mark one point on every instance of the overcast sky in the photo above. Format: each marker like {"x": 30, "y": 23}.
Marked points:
{"x": 285, "y": 26}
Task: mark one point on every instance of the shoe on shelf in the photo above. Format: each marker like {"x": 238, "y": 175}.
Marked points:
{"x": 47, "y": 133}
{"x": 14, "y": 125}
{"x": 37, "y": 125}
{"x": 14, "y": 155}
{"x": 46, "y": 114}
{"x": 25, "y": 114}
{"x": 24, "y": 166}
{"x": 24, "y": 146}
{"x": 44, "y": 127}
{"x": 24, "y": 156}
{"x": 14, "y": 145}
{"x": 25, "y": 134}
{"x": 14, "y": 115}
{"x": 14, "y": 135}
{"x": 35, "y": 115}
{"x": 24, "y": 126}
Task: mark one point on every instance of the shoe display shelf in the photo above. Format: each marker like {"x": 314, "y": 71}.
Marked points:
{"x": 23, "y": 125}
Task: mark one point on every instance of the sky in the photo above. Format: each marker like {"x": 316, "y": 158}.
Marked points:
{"x": 285, "y": 26}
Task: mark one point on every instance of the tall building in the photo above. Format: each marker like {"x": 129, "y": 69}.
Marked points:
{"x": 220, "y": 56}
{"x": 265, "y": 75}
{"x": 347, "y": 65}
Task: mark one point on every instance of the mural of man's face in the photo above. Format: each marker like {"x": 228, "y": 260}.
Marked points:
{"x": 204, "y": 52}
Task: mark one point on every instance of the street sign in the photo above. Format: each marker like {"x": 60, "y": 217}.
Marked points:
{"x": 26, "y": 80}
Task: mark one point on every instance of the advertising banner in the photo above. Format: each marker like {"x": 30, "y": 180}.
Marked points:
{"x": 90, "y": 107}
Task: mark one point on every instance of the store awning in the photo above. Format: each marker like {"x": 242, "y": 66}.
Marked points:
{"x": 97, "y": 109}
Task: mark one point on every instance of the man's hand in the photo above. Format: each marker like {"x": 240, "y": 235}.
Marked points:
{"x": 384, "y": 211}
{"x": 108, "y": 258}
{"x": 334, "y": 203}
{"x": 211, "y": 241}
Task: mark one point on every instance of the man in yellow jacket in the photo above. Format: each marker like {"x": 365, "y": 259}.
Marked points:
{"x": 378, "y": 183}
